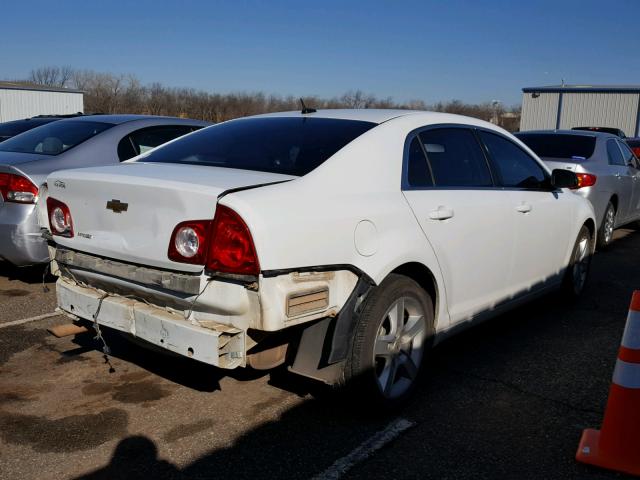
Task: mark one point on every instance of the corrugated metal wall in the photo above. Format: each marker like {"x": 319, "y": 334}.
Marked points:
{"x": 618, "y": 110}
{"x": 17, "y": 104}
{"x": 539, "y": 113}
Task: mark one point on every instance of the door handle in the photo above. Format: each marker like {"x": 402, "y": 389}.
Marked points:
{"x": 524, "y": 208}
{"x": 441, "y": 213}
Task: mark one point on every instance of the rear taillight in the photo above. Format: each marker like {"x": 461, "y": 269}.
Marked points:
{"x": 60, "y": 221}
{"x": 231, "y": 248}
{"x": 586, "y": 180}
{"x": 223, "y": 245}
{"x": 636, "y": 151}
{"x": 18, "y": 189}
{"x": 189, "y": 242}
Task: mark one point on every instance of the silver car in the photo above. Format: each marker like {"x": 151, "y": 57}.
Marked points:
{"x": 27, "y": 159}
{"x": 608, "y": 172}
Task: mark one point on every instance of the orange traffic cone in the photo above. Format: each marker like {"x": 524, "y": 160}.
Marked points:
{"x": 616, "y": 445}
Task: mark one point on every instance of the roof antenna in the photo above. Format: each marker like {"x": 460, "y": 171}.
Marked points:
{"x": 306, "y": 109}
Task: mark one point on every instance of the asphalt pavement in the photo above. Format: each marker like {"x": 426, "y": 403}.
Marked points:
{"x": 506, "y": 399}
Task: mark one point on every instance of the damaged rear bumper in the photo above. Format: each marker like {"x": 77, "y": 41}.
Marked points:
{"x": 212, "y": 343}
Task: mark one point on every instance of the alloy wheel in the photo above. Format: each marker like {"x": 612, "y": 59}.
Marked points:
{"x": 609, "y": 222}
{"x": 399, "y": 347}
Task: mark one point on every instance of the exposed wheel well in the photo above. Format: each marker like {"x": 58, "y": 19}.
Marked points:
{"x": 423, "y": 277}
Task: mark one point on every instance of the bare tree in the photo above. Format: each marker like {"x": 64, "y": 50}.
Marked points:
{"x": 52, "y": 76}
{"x": 109, "y": 93}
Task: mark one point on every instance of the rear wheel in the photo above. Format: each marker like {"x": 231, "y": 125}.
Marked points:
{"x": 605, "y": 234}
{"x": 394, "y": 332}
{"x": 578, "y": 271}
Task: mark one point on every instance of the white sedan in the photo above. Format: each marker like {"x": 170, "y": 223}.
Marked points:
{"x": 341, "y": 243}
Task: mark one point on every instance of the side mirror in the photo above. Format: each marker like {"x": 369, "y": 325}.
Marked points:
{"x": 563, "y": 179}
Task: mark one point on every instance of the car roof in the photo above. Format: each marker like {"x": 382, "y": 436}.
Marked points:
{"x": 31, "y": 120}
{"x": 577, "y": 133}
{"x": 374, "y": 115}
{"x": 124, "y": 118}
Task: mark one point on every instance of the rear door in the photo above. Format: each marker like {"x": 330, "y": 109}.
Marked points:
{"x": 467, "y": 220}
{"x": 622, "y": 181}
{"x": 543, "y": 220}
{"x": 633, "y": 172}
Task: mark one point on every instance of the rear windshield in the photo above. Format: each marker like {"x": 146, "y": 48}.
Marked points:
{"x": 54, "y": 138}
{"x": 11, "y": 129}
{"x": 286, "y": 145}
{"x": 574, "y": 147}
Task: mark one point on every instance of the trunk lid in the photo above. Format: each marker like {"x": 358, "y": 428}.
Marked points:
{"x": 158, "y": 196}
{"x": 17, "y": 158}
{"x": 562, "y": 163}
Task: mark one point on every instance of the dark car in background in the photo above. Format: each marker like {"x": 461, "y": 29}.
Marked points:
{"x": 634, "y": 144}
{"x": 16, "y": 127}
{"x": 84, "y": 141}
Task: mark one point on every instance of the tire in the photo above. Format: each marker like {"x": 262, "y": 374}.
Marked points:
{"x": 605, "y": 233}
{"x": 389, "y": 375}
{"x": 577, "y": 274}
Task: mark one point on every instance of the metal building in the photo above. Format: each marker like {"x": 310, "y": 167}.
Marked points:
{"x": 22, "y": 101}
{"x": 567, "y": 106}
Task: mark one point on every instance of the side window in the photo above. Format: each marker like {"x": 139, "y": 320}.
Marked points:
{"x": 615, "y": 156}
{"x": 145, "y": 139}
{"x": 627, "y": 155}
{"x": 515, "y": 166}
{"x": 125, "y": 149}
{"x": 418, "y": 173}
{"x": 456, "y": 158}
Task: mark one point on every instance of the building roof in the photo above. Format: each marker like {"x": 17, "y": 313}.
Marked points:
{"x": 31, "y": 86}
{"x": 584, "y": 88}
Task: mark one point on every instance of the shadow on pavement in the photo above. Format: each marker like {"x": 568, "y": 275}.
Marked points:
{"x": 31, "y": 274}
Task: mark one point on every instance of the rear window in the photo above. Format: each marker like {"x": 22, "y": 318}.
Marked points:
{"x": 11, "y": 129}
{"x": 54, "y": 138}
{"x": 286, "y": 145}
{"x": 575, "y": 147}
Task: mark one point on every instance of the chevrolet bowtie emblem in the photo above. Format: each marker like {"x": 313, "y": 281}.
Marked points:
{"x": 117, "y": 206}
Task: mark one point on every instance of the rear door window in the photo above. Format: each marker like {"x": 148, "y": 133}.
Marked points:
{"x": 614, "y": 154}
{"x": 627, "y": 155}
{"x": 515, "y": 167}
{"x": 418, "y": 173}
{"x": 456, "y": 158}
{"x": 145, "y": 139}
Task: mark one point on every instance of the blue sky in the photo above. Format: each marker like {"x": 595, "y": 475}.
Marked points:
{"x": 430, "y": 50}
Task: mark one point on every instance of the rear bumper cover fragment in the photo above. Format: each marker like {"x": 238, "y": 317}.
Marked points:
{"x": 214, "y": 344}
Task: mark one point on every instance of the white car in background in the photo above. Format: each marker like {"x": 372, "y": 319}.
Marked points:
{"x": 342, "y": 243}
